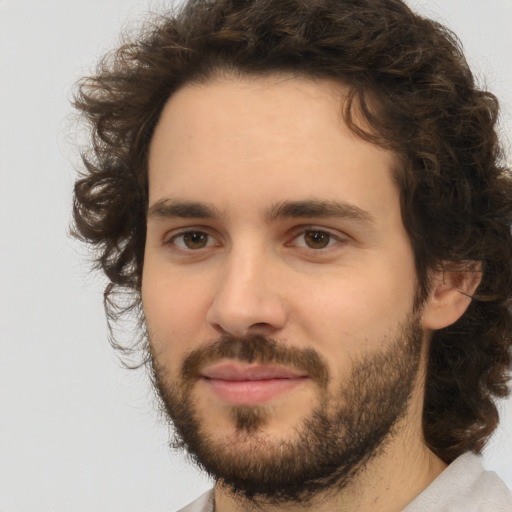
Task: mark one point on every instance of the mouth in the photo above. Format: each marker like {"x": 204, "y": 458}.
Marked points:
{"x": 243, "y": 384}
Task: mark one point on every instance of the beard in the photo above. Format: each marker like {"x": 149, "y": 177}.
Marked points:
{"x": 346, "y": 428}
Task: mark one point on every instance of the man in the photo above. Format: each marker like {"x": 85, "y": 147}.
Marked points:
{"x": 307, "y": 202}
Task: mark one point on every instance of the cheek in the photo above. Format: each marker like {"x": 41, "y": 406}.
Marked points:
{"x": 174, "y": 308}
{"x": 356, "y": 310}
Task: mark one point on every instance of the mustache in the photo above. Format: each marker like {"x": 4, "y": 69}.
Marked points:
{"x": 255, "y": 349}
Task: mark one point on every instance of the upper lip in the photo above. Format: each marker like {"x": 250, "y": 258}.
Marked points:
{"x": 237, "y": 371}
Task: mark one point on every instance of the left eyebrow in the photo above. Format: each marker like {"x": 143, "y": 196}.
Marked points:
{"x": 315, "y": 208}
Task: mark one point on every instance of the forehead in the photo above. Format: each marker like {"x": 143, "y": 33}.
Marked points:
{"x": 279, "y": 136}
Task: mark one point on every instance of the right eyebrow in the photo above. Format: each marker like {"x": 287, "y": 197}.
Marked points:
{"x": 168, "y": 209}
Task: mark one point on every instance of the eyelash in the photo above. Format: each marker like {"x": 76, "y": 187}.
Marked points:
{"x": 331, "y": 241}
{"x": 189, "y": 232}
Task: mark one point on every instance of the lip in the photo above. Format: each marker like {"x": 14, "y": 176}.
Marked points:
{"x": 250, "y": 384}
{"x": 232, "y": 371}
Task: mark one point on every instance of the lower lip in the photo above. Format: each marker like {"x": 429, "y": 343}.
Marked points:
{"x": 252, "y": 392}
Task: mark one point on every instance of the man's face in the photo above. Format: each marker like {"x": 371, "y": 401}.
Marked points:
{"x": 278, "y": 285}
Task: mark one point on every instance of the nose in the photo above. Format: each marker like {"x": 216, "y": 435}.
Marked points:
{"x": 248, "y": 297}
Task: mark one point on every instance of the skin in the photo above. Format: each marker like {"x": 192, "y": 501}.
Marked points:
{"x": 244, "y": 147}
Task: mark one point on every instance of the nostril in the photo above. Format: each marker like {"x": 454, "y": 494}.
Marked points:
{"x": 239, "y": 311}
{"x": 260, "y": 325}
{"x": 263, "y": 329}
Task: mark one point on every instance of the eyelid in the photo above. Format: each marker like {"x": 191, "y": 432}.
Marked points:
{"x": 302, "y": 230}
{"x": 172, "y": 234}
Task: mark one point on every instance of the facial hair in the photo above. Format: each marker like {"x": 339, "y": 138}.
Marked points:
{"x": 347, "y": 428}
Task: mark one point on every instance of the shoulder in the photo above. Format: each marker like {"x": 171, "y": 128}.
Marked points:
{"x": 464, "y": 486}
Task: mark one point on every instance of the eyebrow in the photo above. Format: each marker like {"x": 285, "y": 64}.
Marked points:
{"x": 169, "y": 208}
{"x": 316, "y": 208}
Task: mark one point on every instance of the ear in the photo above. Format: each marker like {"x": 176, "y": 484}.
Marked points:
{"x": 452, "y": 288}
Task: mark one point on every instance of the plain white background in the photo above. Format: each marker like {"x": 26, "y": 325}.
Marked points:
{"x": 77, "y": 432}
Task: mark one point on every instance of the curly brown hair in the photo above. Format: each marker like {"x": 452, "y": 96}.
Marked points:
{"x": 409, "y": 79}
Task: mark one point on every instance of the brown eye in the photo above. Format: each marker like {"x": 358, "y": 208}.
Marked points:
{"x": 317, "y": 239}
{"x": 192, "y": 240}
{"x": 195, "y": 240}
